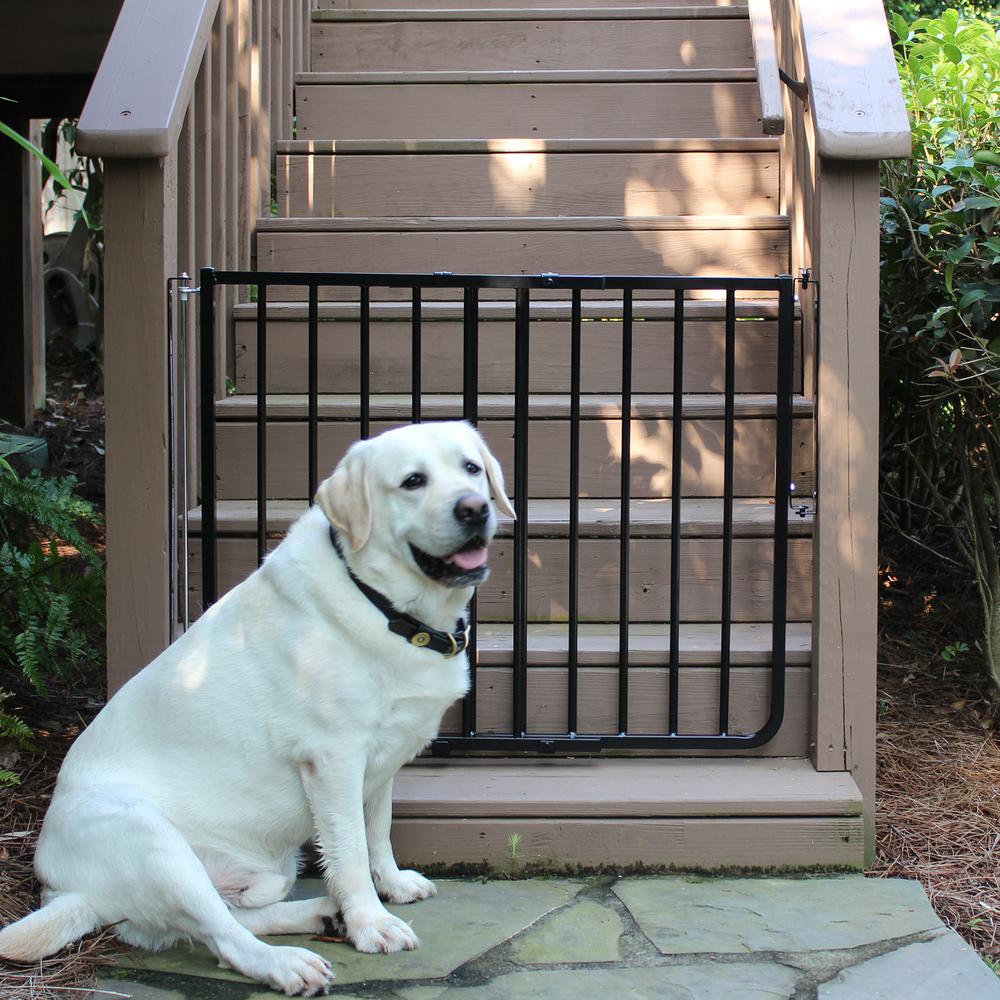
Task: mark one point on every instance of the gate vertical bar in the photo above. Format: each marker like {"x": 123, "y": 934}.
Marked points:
{"x": 364, "y": 359}
{"x": 261, "y": 421}
{"x": 209, "y": 578}
{"x": 520, "y": 645}
{"x": 782, "y": 482}
{"x": 313, "y": 391}
{"x": 415, "y": 356}
{"x": 727, "y": 512}
{"x": 572, "y": 652}
{"x": 470, "y": 412}
{"x": 626, "y": 502}
{"x": 677, "y": 438}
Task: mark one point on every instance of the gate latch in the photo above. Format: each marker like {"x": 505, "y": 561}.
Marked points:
{"x": 799, "y": 505}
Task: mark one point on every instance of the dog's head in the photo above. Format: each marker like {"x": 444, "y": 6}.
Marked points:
{"x": 420, "y": 495}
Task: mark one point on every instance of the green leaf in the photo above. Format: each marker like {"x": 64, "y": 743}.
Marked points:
{"x": 35, "y": 151}
{"x": 949, "y": 275}
{"x": 976, "y": 295}
{"x": 941, "y": 189}
{"x": 976, "y": 201}
{"x": 987, "y": 156}
{"x": 952, "y": 53}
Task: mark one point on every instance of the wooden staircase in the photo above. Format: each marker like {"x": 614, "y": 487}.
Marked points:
{"x": 605, "y": 138}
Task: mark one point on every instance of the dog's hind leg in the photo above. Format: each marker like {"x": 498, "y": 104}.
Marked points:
{"x": 156, "y": 889}
{"x": 293, "y": 916}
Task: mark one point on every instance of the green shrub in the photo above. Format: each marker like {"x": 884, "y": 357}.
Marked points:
{"x": 51, "y": 607}
{"x": 940, "y": 332}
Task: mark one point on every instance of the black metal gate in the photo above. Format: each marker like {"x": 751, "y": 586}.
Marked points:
{"x": 519, "y": 739}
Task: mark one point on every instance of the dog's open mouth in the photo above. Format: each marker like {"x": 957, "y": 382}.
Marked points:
{"x": 465, "y": 567}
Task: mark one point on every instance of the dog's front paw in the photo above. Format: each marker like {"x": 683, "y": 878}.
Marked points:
{"x": 299, "y": 972}
{"x": 376, "y": 931}
{"x": 404, "y": 886}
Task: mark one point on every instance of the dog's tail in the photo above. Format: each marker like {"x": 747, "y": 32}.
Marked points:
{"x": 64, "y": 918}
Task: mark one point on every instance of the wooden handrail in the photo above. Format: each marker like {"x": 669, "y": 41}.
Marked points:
{"x": 142, "y": 90}
{"x": 772, "y": 105}
{"x": 855, "y": 97}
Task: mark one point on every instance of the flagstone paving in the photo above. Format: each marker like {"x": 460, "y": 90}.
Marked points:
{"x": 837, "y": 937}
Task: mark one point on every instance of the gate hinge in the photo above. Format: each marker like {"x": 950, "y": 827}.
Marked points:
{"x": 799, "y": 505}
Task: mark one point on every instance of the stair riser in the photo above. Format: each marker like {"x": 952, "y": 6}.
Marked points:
{"x": 518, "y": 110}
{"x": 526, "y": 183}
{"x": 548, "y": 451}
{"x": 649, "y": 687}
{"x": 442, "y": 353}
{"x": 649, "y": 589}
{"x": 571, "y": 844}
{"x": 530, "y": 45}
{"x": 730, "y": 252}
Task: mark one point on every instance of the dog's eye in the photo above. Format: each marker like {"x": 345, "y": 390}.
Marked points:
{"x": 414, "y": 481}
{"x": 472, "y": 469}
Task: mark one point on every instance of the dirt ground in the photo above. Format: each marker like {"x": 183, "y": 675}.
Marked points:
{"x": 938, "y": 804}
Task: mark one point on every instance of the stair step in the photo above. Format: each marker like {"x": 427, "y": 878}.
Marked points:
{"x": 503, "y": 6}
{"x": 590, "y": 813}
{"x": 648, "y": 698}
{"x": 540, "y": 110}
{"x": 649, "y": 581}
{"x": 500, "y": 406}
{"x": 753, "y": 517}
{"x": 540, "y": 309}
{"x": 566, "y": 11}
{"x": 537, "y": 183}
{"x": 548, "y": 454}
{"x": 441, "y": 348}
{"x": 622, "y": 788}
{"x": 543, "y": 77}
{"x": 693, "y": 144}
{"x": 688, "y": 250}
{"x": 558, "y": 40}
{"x": 648, "y": 645}
{"x": 535, "y": 223}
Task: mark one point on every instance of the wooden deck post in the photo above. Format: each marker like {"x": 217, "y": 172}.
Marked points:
{"x": 846, "y": 245}
{"x": 140, "y": 200}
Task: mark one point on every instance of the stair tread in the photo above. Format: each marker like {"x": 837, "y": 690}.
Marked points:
{"x": 608, "y": 12}
{"x": 344, "y": 406}
{"x": 738, "y": 74}
{"x": 599, "y": 518}
{"x": 589, "y": 223}
{"x": 349, "y": 147}
{"x": 498, "y": 309}
{"x": 649, "y": 644}
{"x": 595, "y": 787}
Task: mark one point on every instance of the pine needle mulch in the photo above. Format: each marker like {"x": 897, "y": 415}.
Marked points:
{"x": 938, "y": 761}
{"x": 73, "y": 972}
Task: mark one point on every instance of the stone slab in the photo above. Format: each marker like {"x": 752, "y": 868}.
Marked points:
{"x": 462, "y": 921}
{"x": 945, "y": 966}
{"x": 706, "y": 981}
{"x": 690, "y": 915}
{"x": 584, "y": 932}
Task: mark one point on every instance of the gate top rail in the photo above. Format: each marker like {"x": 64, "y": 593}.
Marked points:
{"x": 449, "y": 279}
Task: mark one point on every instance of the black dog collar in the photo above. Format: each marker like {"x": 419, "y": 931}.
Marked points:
{"x": 415, "y": 632}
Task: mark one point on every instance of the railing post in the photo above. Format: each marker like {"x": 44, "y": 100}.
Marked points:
{"x": 140, "y": 255}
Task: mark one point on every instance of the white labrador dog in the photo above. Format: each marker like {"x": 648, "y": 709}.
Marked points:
{"x": 281, "y": 715}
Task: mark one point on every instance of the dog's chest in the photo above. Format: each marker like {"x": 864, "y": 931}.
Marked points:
{"x": 409, "y": 720}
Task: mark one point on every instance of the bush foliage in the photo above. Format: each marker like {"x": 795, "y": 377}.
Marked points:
{"x": 940, "y": 330}
{"x": 51, "y": 610}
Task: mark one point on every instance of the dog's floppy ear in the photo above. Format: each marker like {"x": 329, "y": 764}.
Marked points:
{"x": 345, "y": 498}
{"x": 495, "y": 476}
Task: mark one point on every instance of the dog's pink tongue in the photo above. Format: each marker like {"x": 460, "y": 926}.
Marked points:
{"x": 471, "y": 559}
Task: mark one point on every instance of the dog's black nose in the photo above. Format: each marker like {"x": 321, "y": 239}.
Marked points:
{"x": 472, "y": 509}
